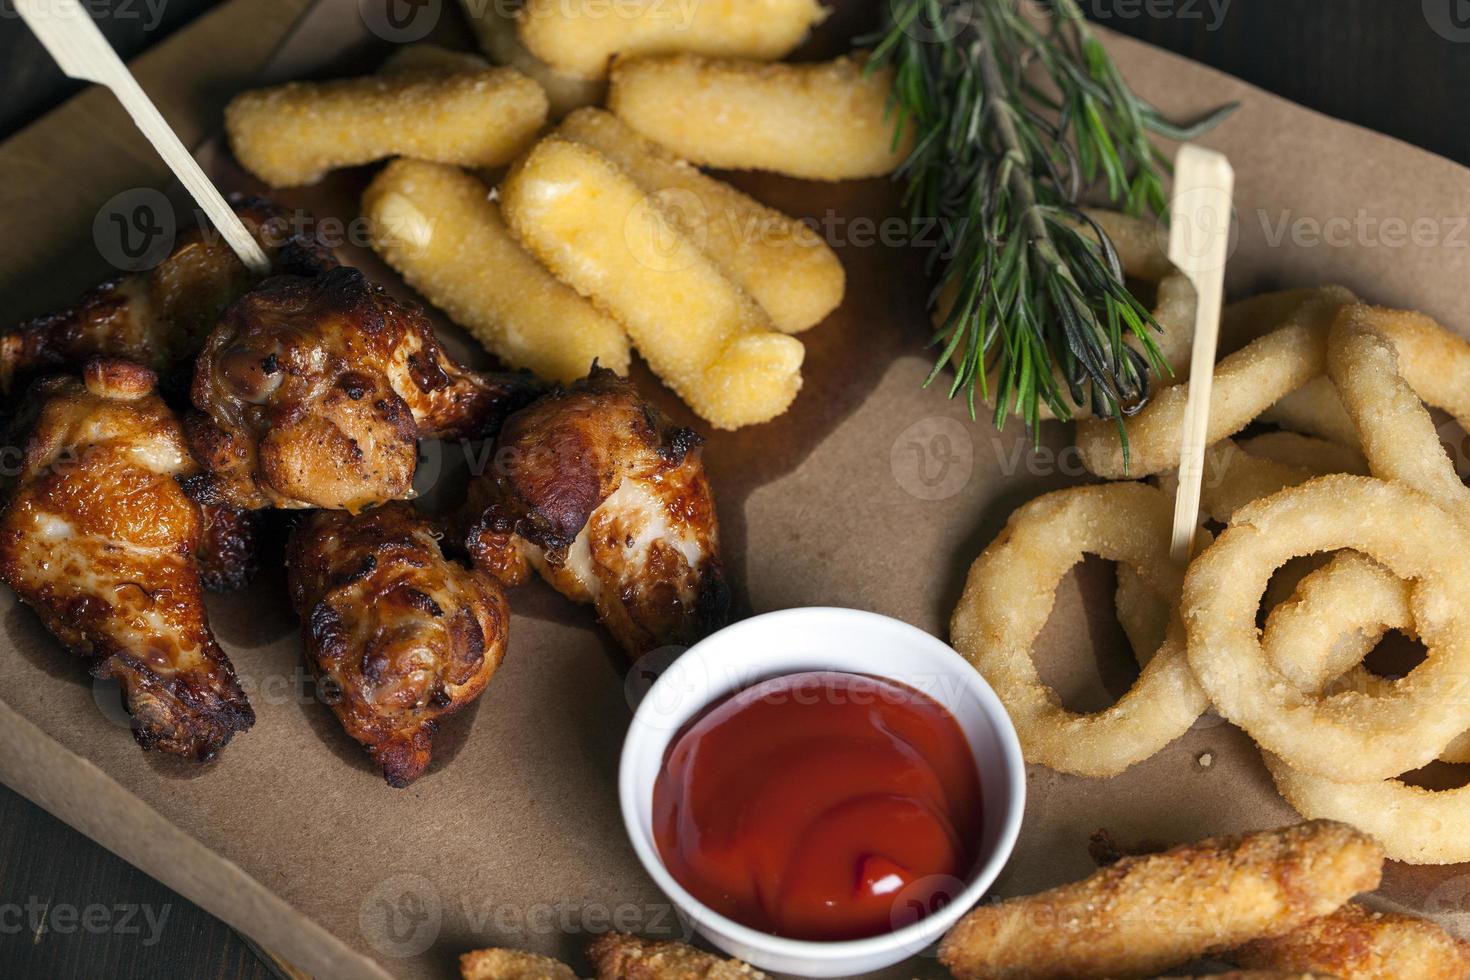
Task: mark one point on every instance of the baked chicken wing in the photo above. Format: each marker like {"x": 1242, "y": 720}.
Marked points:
{"x": 159, "y": 318}
{"x": 400, "y": 635}
{"x": 99, "y": 538}
{"x": 608, "y": 500}
{"x": 315, "y": 392}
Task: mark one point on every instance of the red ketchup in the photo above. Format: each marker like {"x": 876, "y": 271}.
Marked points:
{"x": 819, "y": 806}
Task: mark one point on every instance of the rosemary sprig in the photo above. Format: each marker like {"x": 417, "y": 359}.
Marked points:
{"x": 1014, "y": 121}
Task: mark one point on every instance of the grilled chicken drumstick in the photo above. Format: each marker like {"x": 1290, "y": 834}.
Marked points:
{"x": 402, "y": 635}
{"x": 608, "y": 500}
{"x": 98, "y": 537}
{"x": 315, "y": 392}
{"x": 159, "y": 318}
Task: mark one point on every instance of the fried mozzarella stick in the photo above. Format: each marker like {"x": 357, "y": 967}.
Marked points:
{"x": 618, "y": 956}
{"x": 1146, "y": 914}
{"x": 1357, "y": 943}
{"x": 781, "y": 262}
{"x": 294, "y": 133}
{"x": 437, "y": 226}
{"x": 828, "y": 121}
{"x": 702, "y": 334}
{"x": 497, "y": 32}
{"x": 580, "y": 37}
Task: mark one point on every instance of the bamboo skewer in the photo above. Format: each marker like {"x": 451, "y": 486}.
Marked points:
{"x": 73, "y": 40}
{"x": 1199, "y": 242}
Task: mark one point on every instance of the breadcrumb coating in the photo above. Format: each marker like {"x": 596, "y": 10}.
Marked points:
{"x": 700, "y": 333}
{"x": 1357, "y": 943}
{"x": 1146, "y": 914}
{"x": 827, "y": 121}
{"x": 618, "y": 956}
{"x": 781, "y": 262}
{"x": 293, "y": 134}
{"x": 580, "y": 37}
{"x": 437, "y": 226}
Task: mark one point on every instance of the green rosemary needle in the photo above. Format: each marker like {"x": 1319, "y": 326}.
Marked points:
{"x": 1016, "y": 115}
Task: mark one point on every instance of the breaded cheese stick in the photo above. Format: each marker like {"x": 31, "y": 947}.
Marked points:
{"x": 827, "y": 121}
{"x": 580, "y": 37}
{"x": 702, "y": 335}
{"x": 495, "y": 25}
{"x": 781, "y": 262}
{"x": 294, "y": 133}
{"x": 512, "y": 964}
{"x": 1357, "y": 943}
{"x": 618, "y": 956}
{"x": 437, "y": 226}
{"x": 1143, "y": 915}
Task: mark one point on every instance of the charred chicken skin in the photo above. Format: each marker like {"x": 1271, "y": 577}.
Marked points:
{"x": 315, "y": 392}
{"x": 99, "y": 539}
{"x": 159, "y": 318}
{"x": 608, "y": 500}
{"x": 400, "y": 635}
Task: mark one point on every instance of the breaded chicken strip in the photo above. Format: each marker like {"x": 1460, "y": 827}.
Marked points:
{"x": 1146, "y": 914}
{"x": 1357, "y": 943}
{"x": 512, "y": 964}
{"x": 619, "y": 956}
{"x": 1259, "y": 975}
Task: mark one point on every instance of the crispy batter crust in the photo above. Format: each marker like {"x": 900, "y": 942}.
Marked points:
{"x": 512, "y": 964}
{"x": 814, "y": 121}
{"x": 403, "y": 636}
{"x": 293, "y": 134}
{"x": 100, "y": 540}
{"x": 1357, "y": 943}
{"x": 618, "y": 956}
{"x": 608, "y": 500}
{"x": 1260, "y": 975}
{"x": 1145, "y": 914}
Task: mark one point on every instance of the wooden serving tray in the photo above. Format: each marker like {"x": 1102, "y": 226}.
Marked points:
{"x": 871, "y": 492}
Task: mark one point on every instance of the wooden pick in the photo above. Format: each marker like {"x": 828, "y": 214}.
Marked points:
{"x": 1199, "y": 244}
{"x": 69, "y": 34}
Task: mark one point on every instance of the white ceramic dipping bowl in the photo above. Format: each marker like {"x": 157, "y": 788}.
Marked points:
{"x": 822, "y": 638}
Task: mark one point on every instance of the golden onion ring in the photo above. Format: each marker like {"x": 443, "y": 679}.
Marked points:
{"x": 1315, "y": 409}
{"x": 1348, "y": 736}
{"x": 1009, "y": 595}
{"x": 1336, "y": 617}
{"x": 1246, "y": 384}
{"x": 1383, "y": 362}
{"x": 1414, "y": 825}
{"x": 1320, "y": 455}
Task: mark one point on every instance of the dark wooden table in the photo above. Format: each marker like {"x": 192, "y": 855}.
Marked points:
{"x": 1397, "y": 66}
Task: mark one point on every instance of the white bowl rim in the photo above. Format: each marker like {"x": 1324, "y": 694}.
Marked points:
{"x": 915, "y": 935}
